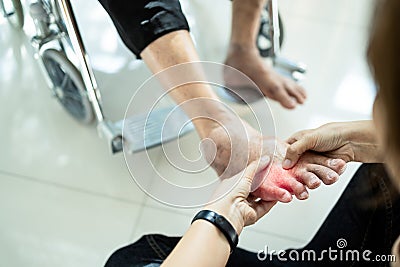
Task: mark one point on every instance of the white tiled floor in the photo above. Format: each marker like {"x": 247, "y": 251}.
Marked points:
{"x": 65, "y": 201}
{"x": 50, "y": 225}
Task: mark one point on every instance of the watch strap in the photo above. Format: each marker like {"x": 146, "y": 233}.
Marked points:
{"x": 222, "y": 224}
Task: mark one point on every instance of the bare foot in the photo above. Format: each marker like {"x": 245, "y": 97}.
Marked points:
{"x": 231, "y": 146}
{"x": 276, "y": 183}
{"x": 248, "y": 60}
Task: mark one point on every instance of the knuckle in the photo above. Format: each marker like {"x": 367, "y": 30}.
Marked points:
{"x": 311, "y": 139}
{"x": 292, "y": 151}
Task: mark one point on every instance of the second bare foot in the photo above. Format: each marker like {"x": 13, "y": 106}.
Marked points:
{"x": 284, "y": 90}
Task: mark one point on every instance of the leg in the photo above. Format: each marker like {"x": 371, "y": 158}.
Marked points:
{"x": 366, "y": 216}
{"x": 244, "y": 56}
{"x": 157, "y": 31}
{"x": 181, "y": 49}
{"x": 152, "y": 250}
{"x": 149, "y": 250}
{"x": 141, "y": 22}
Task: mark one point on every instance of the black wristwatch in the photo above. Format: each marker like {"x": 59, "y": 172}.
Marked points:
{"x": 221, "y": 223}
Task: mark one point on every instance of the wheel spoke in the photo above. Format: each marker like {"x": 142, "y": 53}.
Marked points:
{"x": 77, "y": 107}
{"x": 69, "y": 89}
{"x": 64, "y": 81}
{"x": 74, "y": 108}
{"x": 73, "y": 95}
{"x": 54, "y": 72}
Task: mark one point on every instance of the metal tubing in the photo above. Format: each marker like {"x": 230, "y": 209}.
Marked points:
{"x": 274, "y": 28}
{"x": 89, "y": 80}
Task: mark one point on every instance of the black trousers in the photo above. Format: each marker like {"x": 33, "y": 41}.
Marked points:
{"x": 140, "y": 22}
{"x": 367, "y": 216}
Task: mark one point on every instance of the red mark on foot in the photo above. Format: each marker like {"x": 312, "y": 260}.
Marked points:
{"x": 274, "y": 183}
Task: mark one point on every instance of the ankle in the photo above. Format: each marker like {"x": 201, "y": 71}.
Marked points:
{"x": 242, "y": 48}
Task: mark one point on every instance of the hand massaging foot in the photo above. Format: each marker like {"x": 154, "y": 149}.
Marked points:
{"x": 276, "y": 183}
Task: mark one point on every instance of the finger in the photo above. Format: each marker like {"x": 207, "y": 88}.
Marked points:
{"x": 273, "y": 193}
{"x": 255, "y": 167}
{"x": 325, "y": 174}
{"x": 262, "y": 207}
{"x": 309, "y": 179}
{"x": 297, "y": 136}
{"x": 299, "y": 190}
{"x": 295, "y": 150}
{"x": 258, "y": 179}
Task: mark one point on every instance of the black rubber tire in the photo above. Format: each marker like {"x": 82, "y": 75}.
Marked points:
{"x": 16, "y": 16}
{"x": 264, "y": 33}
{"x": 68, "y": 85}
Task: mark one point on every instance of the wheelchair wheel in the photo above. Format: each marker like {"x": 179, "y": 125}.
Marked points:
{"x": 264, "y": 43}
{"x": 68, "y": 85}
{"x": 12, "y": 10}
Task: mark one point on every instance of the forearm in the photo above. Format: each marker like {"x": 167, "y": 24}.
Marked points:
{"x": 201, "y": 100}
{"x": 202, "y": 245}
{"x": 362, "y": 137}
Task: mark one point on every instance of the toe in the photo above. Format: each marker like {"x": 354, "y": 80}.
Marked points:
{"x": 282, "y": 195}
{"x": 327, "y": 175}
{"x": 280, "y": 94}
{"x": 302, "y": 91}
{"x": 273, "y": 193}
{"x": 337, "y": 165}
{"x": 295, "y": 91}
{"x": 309, "y": 179}
{"x": 299, "y": 190}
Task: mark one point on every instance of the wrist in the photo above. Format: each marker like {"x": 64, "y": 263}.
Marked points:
{"x": 222, "y": 224}
{"x": 362, "y": 138}
{"x": 231, "y": 214}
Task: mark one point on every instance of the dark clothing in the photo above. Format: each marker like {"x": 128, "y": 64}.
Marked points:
{"x": 366, "y": 216}
{"x": 140, "y": 22}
